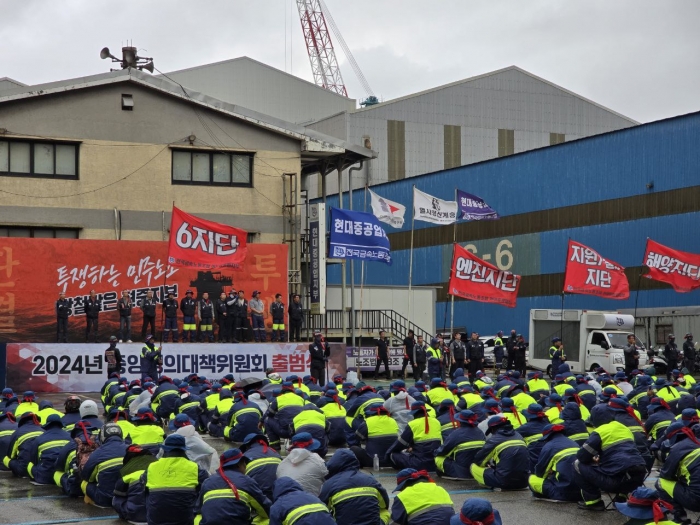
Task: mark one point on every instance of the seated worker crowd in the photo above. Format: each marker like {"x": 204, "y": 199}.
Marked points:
{"x": 574, "y": 440}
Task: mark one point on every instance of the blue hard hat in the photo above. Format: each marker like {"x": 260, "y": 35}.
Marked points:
{"x": 478, "y": 510}
{"x": 409, "y": 474}
{"x": 641, "y": 507}
{"x": 304, "y": 440}
{"x": 232, "y": 456}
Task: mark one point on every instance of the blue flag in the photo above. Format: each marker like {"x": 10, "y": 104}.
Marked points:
{"x": 473, "y": 208}
{"x": 358, "y": 235}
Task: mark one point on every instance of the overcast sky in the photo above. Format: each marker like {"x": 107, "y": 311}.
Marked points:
{"x": 638, "y": 57}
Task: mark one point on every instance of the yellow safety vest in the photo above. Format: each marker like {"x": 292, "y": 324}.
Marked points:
{"x": 176, "y": 473}
{"x": 381, "y": 426}
{"x": 418, "y": 428}
{"x": 423, "y": 497}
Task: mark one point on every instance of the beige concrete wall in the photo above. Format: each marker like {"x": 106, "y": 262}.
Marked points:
{"x": 125, "y": 163}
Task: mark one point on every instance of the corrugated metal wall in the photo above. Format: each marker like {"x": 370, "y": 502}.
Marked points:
{"x": 593, "y": 190}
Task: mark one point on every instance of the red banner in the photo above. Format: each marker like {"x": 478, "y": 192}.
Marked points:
{"x": 34, "y": 271}
{"x": 477, "y": 280}
{"x": 679, "y": 269}
{"x": 589, "y": 273}
{"x": 202, "y": 244}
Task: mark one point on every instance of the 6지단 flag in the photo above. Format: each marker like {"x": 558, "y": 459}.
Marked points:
{"x": 198, "y": 243}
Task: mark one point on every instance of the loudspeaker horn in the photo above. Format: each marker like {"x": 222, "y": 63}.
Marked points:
{"x": 148, "y": 66}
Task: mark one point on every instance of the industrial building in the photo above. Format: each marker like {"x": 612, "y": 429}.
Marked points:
{"x": 483, "y": 117}
{"x": 610, "y": 191}
{"x": 106, "y": 156}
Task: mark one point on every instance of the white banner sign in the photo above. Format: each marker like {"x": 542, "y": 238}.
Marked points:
{"x": 431, "y": 209}
{"x": 387, "y": 211}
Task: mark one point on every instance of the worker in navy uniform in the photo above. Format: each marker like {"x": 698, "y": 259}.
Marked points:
{"x": 679, "y": 478}
{"x": 689, "y": 354}
{"x": 8, "y": 425}
{"x": 229, "y": 496}
{"x": 420, "y": 501}
{"x": 165, "y": 398}
{"x": 457, "y": 452}
{"x": 609, "y": 461}
{"x": 148, "y": 307}
{"x": 475, "y": 354}
{"x": 222, "y": 318}
{"x": 381, "y": 352}
{"x": 422, "y": 436}
{"x": 124, "y": 306}
{"x": 379, "y": 432}
{"x": 280, "y": 414}
{"x": 434, "y": 358}
{"x": 45, "y": 450}
{"x": 553, "y": 475}
{"x": 262, "y": 461}
{"x": 520, "y": 351}
{"x": 240, "y": 315}
{"x": 644, "y": 506}
{"x": 294, "y": 506}
{"x": 170, "y": 306}
{"x": 231, "y": 312}
{"x": 151, "y": 358}
{"x": 319, "y": 352}
{"x": 101, "y": 471}
{"x": 129, "y": 492}
{"x": 296, "y": 318}
{"x": 18, "y": 457}
{"x": 408, "y": 356}
{"x": 477, "y": 511}
{"x": 63, "y": 311}
{"x": 113, "y": 357}
{"x": 93, "y": 305}
{"x": 188, "y": 306}
{"x": 347, "y": 490}
{"x": 672, "y": 355}
{"x": 498, "y": 348}
{"x": 172, "y": 485}
{"x": 510, "y": 344}
{"x": 556, "y": 354}
{"x": 277, "y": 314}
{"x": 205, "y": 312}
{"x": 503, "y": 461}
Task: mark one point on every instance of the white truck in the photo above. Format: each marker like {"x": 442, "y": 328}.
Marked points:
{"x": 591, "y": 339}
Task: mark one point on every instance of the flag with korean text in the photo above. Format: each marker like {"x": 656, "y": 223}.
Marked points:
{"x": 473, "y": 208}
{"x": 431, "y": 209}
{"x": 590, "y": 274}
{"x": 198, "y": 243}
{"x": 679, "y": 269}
{"x": 475, "y": 279}
{"x": 387, "y": 211}
{"x": 358, "y": 235}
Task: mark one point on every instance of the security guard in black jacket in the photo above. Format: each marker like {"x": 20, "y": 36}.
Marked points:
{"x": 189, "y": 325}
{"x": 222, "y": 318}
{"x": 93, "y": 305}
{"x": 671, "y": 354}
{"x": 148, "y": 307}
{"x": 170, "y": 306}
{"x": 319, "y": 351}
{"x": 231, "y": 310}
{"x": 63, "y": 309}
{"x": 475, "y": 354}
{"x": 296, "y": 318}
{"x": 205, "y": 312}
{"x": 240, "y": 314}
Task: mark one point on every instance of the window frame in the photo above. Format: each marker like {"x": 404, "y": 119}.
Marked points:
{"x": 32, "y": 230}
{"x": 32, "y": 174}
{"x": 211, "y": 154}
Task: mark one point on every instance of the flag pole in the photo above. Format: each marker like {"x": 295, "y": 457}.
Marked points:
{"x": 362, "y": 280}
{"x": 452, "y": 300}
{"x": 639, "y": 284}
{"x": 566, "y": 263}
{"x": 410, "y": 258}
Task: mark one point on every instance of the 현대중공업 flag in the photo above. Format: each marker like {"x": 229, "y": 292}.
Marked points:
{"x": 387, "y": 211}
{"x": 473, "y": 208}
{"x": 357, "y": 235}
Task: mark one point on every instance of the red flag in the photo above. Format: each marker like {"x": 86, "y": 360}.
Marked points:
{"x": 477, "y": 280}
{"x": 588, "y": 273}
{"x": 198, "y": 243}
{"x": 679, "y": 269}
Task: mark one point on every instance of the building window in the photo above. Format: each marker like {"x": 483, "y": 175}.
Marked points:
{"x": 127, "y": 102}
{"x": 39, "y": 232}
{"x": 212, "y": 168}
{"x": 662, "y": 333}
{"x": 506, "y": 142}
{"x": 251, "y": 237}
{"x": 453, "y": 146}
{"x": 38, "y": 159}
{"x": 556, "y": 138}
{"x": 396, "y": 141}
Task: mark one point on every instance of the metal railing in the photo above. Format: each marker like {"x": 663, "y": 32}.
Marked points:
{"x": 365, "y": 321}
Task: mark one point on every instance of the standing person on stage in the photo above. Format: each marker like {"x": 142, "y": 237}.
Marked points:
{"x": 277, "y": 314}
{"x": 420, "y": 352}
{"x": 296, "y": 318}
{"x": 319, "y": 351}
{"x": 231, "y": 316}
{"x": 125, "y": 306}
{"x": 381, "y": 352}
{"x": 170, "y": 306}
{"x": 257, "y": 319}
{"x": 241, "y": 317}
{"x": 222, "y": 319}
{"x": 205, "y": 312}
{"x": 188, "y": 306}
{"x": 408, "y": 356}
{"x": 93, "y": 305}
{"x": 113, "y": 357}
{"x": 510, "y": 344}
{"x": 148, "y": 307}
{"x": 475, "y": 354}
{"x": 457, "y": 352}
{"x": 520, "y": 351}
{"x": 63, "y": 309}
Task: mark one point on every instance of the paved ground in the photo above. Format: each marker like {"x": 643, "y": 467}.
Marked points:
{"x": 22, "y": 503}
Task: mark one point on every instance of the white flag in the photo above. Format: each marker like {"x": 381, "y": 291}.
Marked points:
{"x": 387, "y": 211}
{"x": 431, "y": 209}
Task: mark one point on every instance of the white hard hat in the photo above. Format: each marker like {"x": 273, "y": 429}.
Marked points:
{"x": 88, "y": 408}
